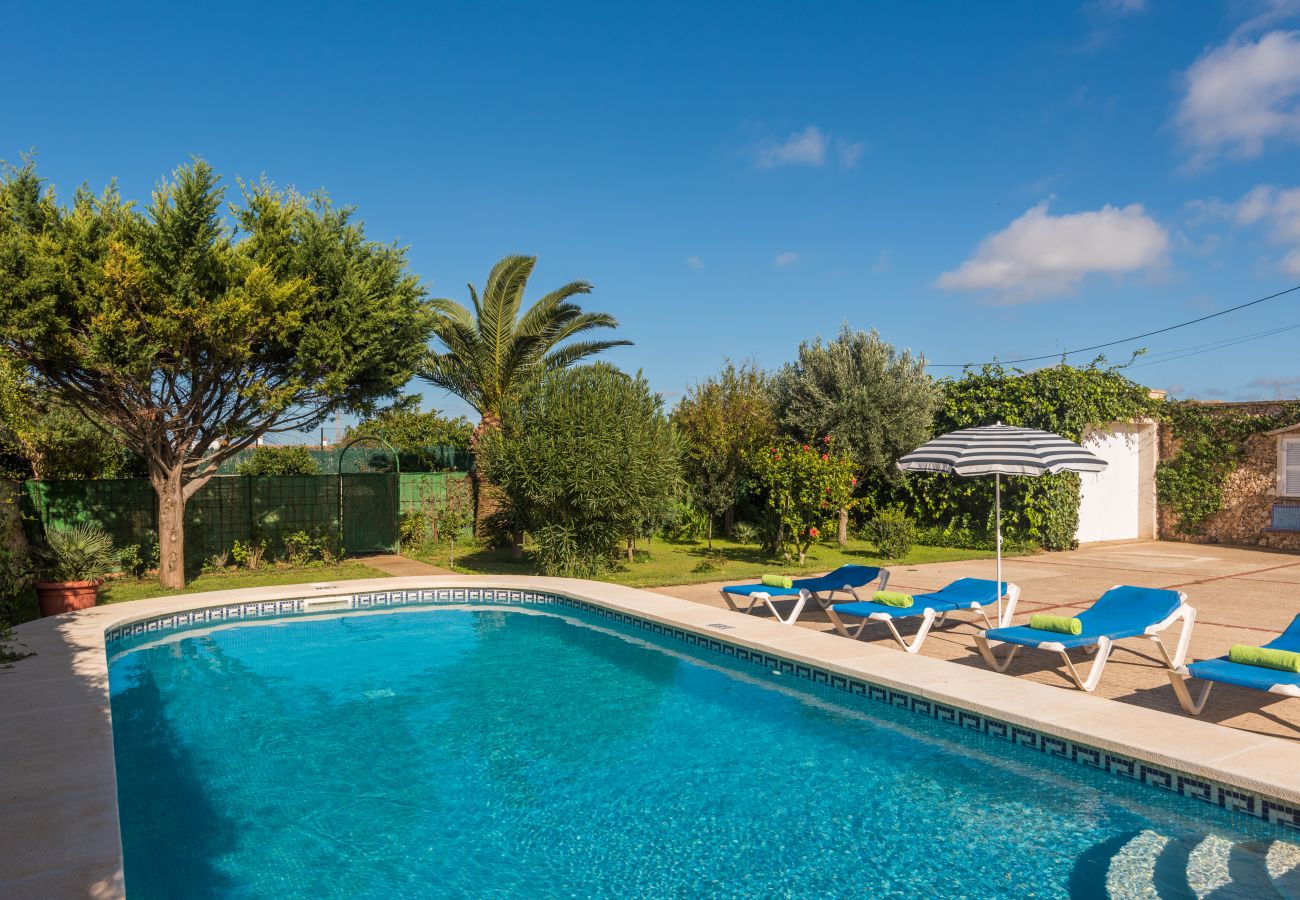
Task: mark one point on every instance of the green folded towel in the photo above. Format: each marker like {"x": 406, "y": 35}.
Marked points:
{"x": 1059, "y": 624}
{"x": 1265, "y": 656}
{"x": 782, "y": 581}
{"x": 892, "y": 598}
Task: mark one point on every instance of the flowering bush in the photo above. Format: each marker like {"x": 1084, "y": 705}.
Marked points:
{"x": 805, "y": 486}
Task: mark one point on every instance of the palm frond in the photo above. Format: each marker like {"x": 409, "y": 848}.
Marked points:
{"x": 541, "y": 313}
{"x": 502, "y": 296}
{"x": 571, "y": 353}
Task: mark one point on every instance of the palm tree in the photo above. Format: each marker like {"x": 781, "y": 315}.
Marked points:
{"x": 491, "y": 350}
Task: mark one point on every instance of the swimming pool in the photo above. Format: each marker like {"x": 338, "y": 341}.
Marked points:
{"x": 527, "y": 752}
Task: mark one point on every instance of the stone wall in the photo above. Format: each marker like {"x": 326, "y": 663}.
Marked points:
{"x": 1248, "y": 494}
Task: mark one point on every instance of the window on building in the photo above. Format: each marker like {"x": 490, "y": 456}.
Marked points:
{"x": 1289, "y": 467}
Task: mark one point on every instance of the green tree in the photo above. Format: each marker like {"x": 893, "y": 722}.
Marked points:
{"x": 491, "y": 350}
{"x": 585, "y": 457}
{"x": 876, "y": 402}
{"x": 805, "y": 486}
{"x": 723, "y": 421}
{"x": 43, "y": 438}
{"x": 193, "y": 330}
{"x": 264, "y": 461}
{"x": 415, "y": 435}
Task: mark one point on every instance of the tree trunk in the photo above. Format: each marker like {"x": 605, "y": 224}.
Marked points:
{"x": 487, "y": 496}
{"x": 11, "y": 525}
{"x": 517, "y": 544}
{"x": 171, "y": 527}
{"x": 710, "y": 532}
{"x": 729, "y": 521}
{"x": 631, "y": 550}
{"x": 844, "y": 527}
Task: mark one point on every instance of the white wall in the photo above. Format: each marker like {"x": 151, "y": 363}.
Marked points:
{"x": 1119, "y": 503}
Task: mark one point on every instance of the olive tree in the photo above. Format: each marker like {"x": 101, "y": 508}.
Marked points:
{"x": 192, "y": 328}
{"x": 873, "y": 401}
{"x": 586, "y": 458}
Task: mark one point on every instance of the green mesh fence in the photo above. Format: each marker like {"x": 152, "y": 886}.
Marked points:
{"x": 427, "y": 459}
{"x": 239, "y": 508}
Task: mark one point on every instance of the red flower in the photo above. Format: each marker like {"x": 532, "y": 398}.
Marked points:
{"x": 853, "y": 481}
{"x": 813, "y": 532}
{"x": 827, "y": 439}
{"x": 825, "y": 457}
{"x": 805, "y": 446}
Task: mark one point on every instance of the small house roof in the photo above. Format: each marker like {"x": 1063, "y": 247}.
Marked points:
{"x": 1285, "y": 429}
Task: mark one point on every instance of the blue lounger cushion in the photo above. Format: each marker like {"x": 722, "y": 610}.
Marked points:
{"x": 744, "y": 590}
{"x": 961, "y": 594}
{"x": 1121, "y": 612}
{"x": 1225, "y": 671}
{"x": 1257, "y": 677}
{"x": 853, "y": 575}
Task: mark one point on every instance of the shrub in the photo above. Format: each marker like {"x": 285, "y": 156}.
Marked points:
{"x": 302, "y": 548}
{"x": 217, "y": 561}
{"x": 587, "y": 460}
{"x": 278, "y": 461}
{"x": 138, "y": 560}
{"x": 745, "y": 533}
{"x": 806, "y": 487}
{"x": 686, "y": 522}
{"x": 80, "y": 553}
{"x": 892, "y": 533}
{"x": 416, "y": 528}
{"x": 17, "y": 600}
{"x": 248, "y": 555}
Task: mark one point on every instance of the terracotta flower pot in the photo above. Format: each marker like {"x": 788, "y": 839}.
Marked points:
{"x": 64, "y": 596}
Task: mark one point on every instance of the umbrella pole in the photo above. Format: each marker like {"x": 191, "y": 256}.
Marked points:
{"x": 997, "y": 506}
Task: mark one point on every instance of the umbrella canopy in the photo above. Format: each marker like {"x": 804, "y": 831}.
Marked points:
{"x": 999, "y": 450}
{"x": 1002, "y": 450}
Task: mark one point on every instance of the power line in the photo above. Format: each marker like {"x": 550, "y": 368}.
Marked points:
{"x": 1136, "y": 337}
{"x": 1171, "y": 355}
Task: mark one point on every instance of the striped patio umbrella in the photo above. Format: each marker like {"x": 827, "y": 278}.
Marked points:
{"x": 999, "y": 450}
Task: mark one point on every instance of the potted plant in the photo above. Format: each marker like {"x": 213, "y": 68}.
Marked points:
{"x": 71, "y": 566}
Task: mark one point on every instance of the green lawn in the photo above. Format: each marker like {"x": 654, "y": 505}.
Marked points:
{"x": 123, "y": 589}
{"x": 666, "y": 562}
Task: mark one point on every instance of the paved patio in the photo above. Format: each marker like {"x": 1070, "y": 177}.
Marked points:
{"x": 1241, "y": 596}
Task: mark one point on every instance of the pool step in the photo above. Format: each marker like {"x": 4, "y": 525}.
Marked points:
{"x": 1151, "y": 866}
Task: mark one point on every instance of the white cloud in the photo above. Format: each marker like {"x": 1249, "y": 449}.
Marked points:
{"x": 802, "y": 148}
{"x": 1241, "y": 95}
{"x": 1276, "y": 208}
{"x": 1041, "y": 254}
{"x": 810, "y": 147}
{"x": 785, "y": 260}
{"x": 1122, "y": 7}
{"x": 695, "y": 262}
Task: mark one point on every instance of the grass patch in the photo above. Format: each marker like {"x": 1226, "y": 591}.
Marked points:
{"x": 663, "y": 563}
{"x": 120, "y": 590}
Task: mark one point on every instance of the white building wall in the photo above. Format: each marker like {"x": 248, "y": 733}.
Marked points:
{"x": 1119, "y": 503}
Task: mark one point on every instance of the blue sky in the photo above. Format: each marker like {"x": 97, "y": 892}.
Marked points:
{"x": 973, "y": 180}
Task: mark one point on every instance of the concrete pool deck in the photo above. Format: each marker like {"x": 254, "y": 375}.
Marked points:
{"x": 59, "y": 832}
{"x": 1241, "y": 596}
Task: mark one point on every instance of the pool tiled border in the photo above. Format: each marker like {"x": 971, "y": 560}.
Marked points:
{"x": 59, "y": 834}
{"x": 1205, "y": 790}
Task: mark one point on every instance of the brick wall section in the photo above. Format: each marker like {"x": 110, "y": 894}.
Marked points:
{"x": 1248, "y": 494}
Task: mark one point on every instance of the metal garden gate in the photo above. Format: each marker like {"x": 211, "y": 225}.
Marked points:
{"x": 369, "y": 496}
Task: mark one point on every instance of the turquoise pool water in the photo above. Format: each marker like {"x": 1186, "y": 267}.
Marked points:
{"x": 453, "y": 752}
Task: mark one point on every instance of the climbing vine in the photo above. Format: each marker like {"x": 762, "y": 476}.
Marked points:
{"x": 1209, "y": 444}
{"x": 1063, "y": 399}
